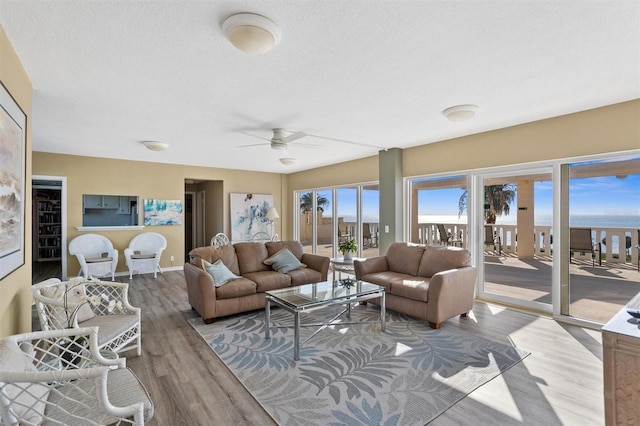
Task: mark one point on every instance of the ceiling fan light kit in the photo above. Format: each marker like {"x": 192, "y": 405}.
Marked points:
{"x": 251, "y": 33}
{"x": 460, "y": 112}
{"x": 155, "y": 146}
{"x": 287, "y": 161}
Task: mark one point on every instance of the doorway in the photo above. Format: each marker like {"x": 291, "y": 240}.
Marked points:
{"x": 49, "y": 234}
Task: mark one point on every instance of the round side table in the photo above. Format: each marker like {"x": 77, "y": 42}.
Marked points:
{"x": 341, "y": 265}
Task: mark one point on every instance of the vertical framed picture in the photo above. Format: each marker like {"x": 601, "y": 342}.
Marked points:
{"x": 249, "y": 216}
{"x": 13, "y": 135}
{"x": 162, "y": 212}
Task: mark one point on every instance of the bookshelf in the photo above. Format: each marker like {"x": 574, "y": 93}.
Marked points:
{"x": 49, "y": 225}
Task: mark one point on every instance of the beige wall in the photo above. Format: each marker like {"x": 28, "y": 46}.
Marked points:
{"x": 15, "y": 289}
{"x": 89, "y": 175}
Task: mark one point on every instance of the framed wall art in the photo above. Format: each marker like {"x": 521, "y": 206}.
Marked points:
{"x": 13, "y": 130}
{"x": 162, "y": 212}
{"x": 249, "y": 215}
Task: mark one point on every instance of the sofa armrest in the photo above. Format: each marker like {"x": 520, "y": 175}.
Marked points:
{"x": 451, "y": 293}
{"x": 370, "y": 266}
{"x": 318, "y": 263}
{"x": 201, "y": 291}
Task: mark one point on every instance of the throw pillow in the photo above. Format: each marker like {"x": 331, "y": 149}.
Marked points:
{"x": 75, "y": 296}
{"x": 284, "y": 261}
{"x": 220, "y": 273}
{"x": 28, "y": 398}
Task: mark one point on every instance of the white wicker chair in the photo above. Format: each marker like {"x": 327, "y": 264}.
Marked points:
{"x": 220, "y": 239}
{"x": 96, "y": 255}
{"x": 120, "y": 328}
{"x": 143, "y": 253}
{"x": 61, "y": 377}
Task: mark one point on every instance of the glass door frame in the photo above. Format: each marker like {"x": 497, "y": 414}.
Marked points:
{"x": 476, "y": 235}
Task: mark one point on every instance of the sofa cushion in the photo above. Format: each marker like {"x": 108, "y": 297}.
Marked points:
{"x": 415, "y": 288}
{"x": 404, "y": 258}
{"x": 304, "y": 276}
{"x": 209, "y": 253}
{"x": 250, "y": 256}
{"x": 219, "y": 272}
{"x": 441, "y": 258}
{"x": 284, "y": 261}
{"x": 269, "y": 280}
{"x": 293, "y": 246}
{"x": 236, "y": 288}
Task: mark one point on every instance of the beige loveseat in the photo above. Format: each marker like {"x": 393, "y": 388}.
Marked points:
{"x": 246, "y": 293}
{"x": 433, "y": 283}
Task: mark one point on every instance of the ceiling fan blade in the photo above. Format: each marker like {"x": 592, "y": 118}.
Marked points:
{"x": 253, "y": 144}
{"x": 307, "y": 145}
{"x": 254, "y": 136}
{"x": 294, "y": 137}
{"x": 350, "y": 142}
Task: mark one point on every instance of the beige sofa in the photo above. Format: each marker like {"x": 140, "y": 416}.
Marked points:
{"x": 246, "y": 293}
{"x": 433, "y": 283}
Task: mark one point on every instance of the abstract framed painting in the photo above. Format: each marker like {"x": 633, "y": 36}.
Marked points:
{"x": 13, "y": 131}
{"x": 249, "y": 216}
{"x": 162, "y": 212}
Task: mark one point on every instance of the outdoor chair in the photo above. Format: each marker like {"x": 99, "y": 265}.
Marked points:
{"x": 446, "y": 238}
{"x": 492, "y": 238}
{"x": 343, "y": 234}
{"x": 143, "y": 253}
{"x": 62, "y": 377}
{"x": 220, "y": 239}
{"x": 367, "y": 239}
{"x": 90, "y": 303}
{"x": 580, "y": 241}
{"x": 96, "y": 255}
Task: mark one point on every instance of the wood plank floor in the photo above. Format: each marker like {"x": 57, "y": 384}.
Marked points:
{"x": 560, "y": 383}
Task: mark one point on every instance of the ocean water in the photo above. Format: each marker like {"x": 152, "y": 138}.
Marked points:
{"x": 593, "y": 221}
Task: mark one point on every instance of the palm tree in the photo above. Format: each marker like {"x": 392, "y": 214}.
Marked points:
{"x": 306, "y": 202}
{"x": 497, "y": 198}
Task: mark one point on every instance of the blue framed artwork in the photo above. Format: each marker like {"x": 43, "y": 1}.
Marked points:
{"x": 249, "y": 216}
{"x": 162, "y": 212}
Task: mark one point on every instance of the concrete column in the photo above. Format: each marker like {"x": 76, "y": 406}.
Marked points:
{"x": 525, "y": 219}
{"x": 390, "y": 175}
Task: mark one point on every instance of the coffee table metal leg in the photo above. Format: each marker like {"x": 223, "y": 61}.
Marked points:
{"x": 383, "y": 314}
{"x": 296, "y": 336}
{"x": 267, "y": 318}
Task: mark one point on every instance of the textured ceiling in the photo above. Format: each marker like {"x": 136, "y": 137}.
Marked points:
{"x": 109, "y": 74}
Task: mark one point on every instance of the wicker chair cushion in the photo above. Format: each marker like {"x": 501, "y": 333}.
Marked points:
{"x": 27, "y": 406}
{"x": 123, "y": 389}
{"x": 111, "y": 326}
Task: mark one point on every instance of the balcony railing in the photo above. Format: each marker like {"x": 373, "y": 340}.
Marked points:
{"x": 617, "y": 243}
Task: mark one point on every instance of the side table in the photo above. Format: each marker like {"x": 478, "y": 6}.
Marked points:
{"x": 341, "y": 265}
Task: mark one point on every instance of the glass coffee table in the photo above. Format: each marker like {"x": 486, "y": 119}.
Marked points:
{"x": 309, "y": 297}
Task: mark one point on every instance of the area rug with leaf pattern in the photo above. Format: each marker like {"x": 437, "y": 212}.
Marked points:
{"x": 356, "y": 374}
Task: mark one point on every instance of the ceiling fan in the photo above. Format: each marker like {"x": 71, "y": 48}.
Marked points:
{"x": 280, "y": 142}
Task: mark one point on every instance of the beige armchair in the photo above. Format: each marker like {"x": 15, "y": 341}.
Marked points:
{"x": 61, "y": 377}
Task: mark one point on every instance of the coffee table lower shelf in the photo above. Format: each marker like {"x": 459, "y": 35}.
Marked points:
{"x": 306, "y": 299}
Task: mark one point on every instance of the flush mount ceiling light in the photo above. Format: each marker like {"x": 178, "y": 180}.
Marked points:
{"x": 251, "y": 33}
{"x": 287, "y": 161}
{"x": 460, "y": 112}
{"x": 155, "y": 146}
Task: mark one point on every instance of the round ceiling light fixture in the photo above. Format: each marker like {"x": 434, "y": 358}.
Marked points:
{"x": 155, "y": 146}
{"x": 251, "y": 33}
{"x": 460, "y": 112}
{"x": 287, "y": 161}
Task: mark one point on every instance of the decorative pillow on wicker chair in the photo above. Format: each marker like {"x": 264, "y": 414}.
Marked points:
{"x": 33, "y": 395}
{"x": 284, "y": 261}
{"x": 75, "y": 296}
{"x": 220, "y": 273}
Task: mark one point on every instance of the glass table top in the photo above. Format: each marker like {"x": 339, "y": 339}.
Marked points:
{"x": 320, "y": 293}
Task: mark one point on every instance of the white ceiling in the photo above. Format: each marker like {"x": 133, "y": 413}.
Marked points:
{"x": 109, "y": 74}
